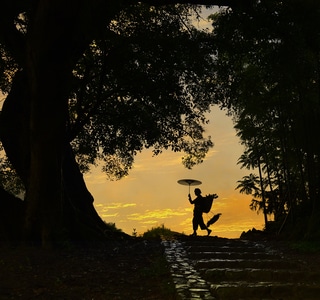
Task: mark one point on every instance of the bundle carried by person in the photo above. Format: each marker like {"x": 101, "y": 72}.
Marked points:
{"x": 207, "y": 202}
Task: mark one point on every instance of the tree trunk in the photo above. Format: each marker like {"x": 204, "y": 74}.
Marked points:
{"x": 33, "y": 128}
{"x": 11, "y": 217}
{"x": 80, "y": 217}
{"x": 264, "y": 208}
{"x": 75, "y": 206}
{"x": 47, "y": 70}
{"x": 14, "y": 125}
{"x": 33, "y": 121}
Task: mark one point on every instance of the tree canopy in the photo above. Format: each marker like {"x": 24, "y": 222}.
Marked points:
{"x": 268, "y": 75}
{"x": 77, "y": 94}
{"x": 143, "y": 85}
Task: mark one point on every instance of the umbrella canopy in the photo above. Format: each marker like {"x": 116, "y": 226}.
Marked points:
{"x": 189, "y": 182}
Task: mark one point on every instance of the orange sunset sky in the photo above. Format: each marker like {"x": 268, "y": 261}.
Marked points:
{"x": 150, "y": 196}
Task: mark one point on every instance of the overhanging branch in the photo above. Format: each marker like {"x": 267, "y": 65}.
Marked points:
{"x": 239, "y": 4}
{"x": 197, "y": 2}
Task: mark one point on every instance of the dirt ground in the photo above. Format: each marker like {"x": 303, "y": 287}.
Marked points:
{"x": 133, "y": 269}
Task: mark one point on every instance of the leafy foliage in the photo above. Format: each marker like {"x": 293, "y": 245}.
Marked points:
{"x": 9, "y": 180}
{"x": 142, "y": 86}
{"x": 160, "y": 232}
{"x": 268, "y": 76}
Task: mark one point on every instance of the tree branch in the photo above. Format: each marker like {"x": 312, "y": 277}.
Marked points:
{"x": 244, "y": 5}
{"x": 12, "y": 38}
{"x": 198, "y": 2}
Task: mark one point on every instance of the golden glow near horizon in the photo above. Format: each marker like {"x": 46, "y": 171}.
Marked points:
{"x": 150, "y": 196}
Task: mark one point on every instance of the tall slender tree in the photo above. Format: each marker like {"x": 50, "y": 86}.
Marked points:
{"x": 267, "y": 71}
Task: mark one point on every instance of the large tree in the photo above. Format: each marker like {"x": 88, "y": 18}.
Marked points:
{"x": 104, "y": 79}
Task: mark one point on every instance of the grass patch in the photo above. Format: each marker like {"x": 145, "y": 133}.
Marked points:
{"x": 160, "y": 232}
{"x": 158, "y": 270}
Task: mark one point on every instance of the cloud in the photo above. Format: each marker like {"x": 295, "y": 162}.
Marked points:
{"x": 211, "y": 152}
{"x": 95, "y": 177}
{"x": 157, "y": 214}
{"x": 186, "y": 223}
{"x": 149, "y": 222}
{"x": 103, "y": 208}
{"x": 151, "y": 196}
{"x": 118, "y": 205}
{"x": 109, "y": 215}
{"x": 146, "y": 161}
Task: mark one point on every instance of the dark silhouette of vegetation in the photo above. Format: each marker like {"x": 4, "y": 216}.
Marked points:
{"x": 268, "y": 77}
{"x": 109, "y": 78}
{"x": 160, "y": 232}
{"x": 98, "y": 83}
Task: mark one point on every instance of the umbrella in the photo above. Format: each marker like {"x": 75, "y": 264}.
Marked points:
{"x": 189, "y": 182}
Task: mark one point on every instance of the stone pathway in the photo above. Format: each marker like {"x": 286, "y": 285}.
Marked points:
{"x": 186, "y": 278}
{"x": 216, "y": 268}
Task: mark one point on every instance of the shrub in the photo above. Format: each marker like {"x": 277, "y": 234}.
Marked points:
{"x": 160, "y": 232}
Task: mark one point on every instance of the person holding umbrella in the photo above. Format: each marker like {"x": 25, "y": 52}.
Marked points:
{"x": 197, "y": 220}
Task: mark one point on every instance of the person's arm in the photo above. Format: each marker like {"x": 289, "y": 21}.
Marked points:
{"x": 190, "y": 200}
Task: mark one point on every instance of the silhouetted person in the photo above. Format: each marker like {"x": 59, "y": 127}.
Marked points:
{"x": 197, "y": 212}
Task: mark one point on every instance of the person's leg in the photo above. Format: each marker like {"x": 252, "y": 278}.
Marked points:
{"x": 195, "y": 222}
{"x": 194, "y": 225}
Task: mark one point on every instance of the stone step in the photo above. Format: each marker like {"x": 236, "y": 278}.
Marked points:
{"x": 215, "y": 268}
{"x": 260, "y": 275}
{"x": 221, "y": 243}
{"x": 265, "y": 290}
{"x": 233, "y": 255}
{"x": 245, "y": 263}
{"x": 214, "y": 241}
{"x": 214, "y": 248}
